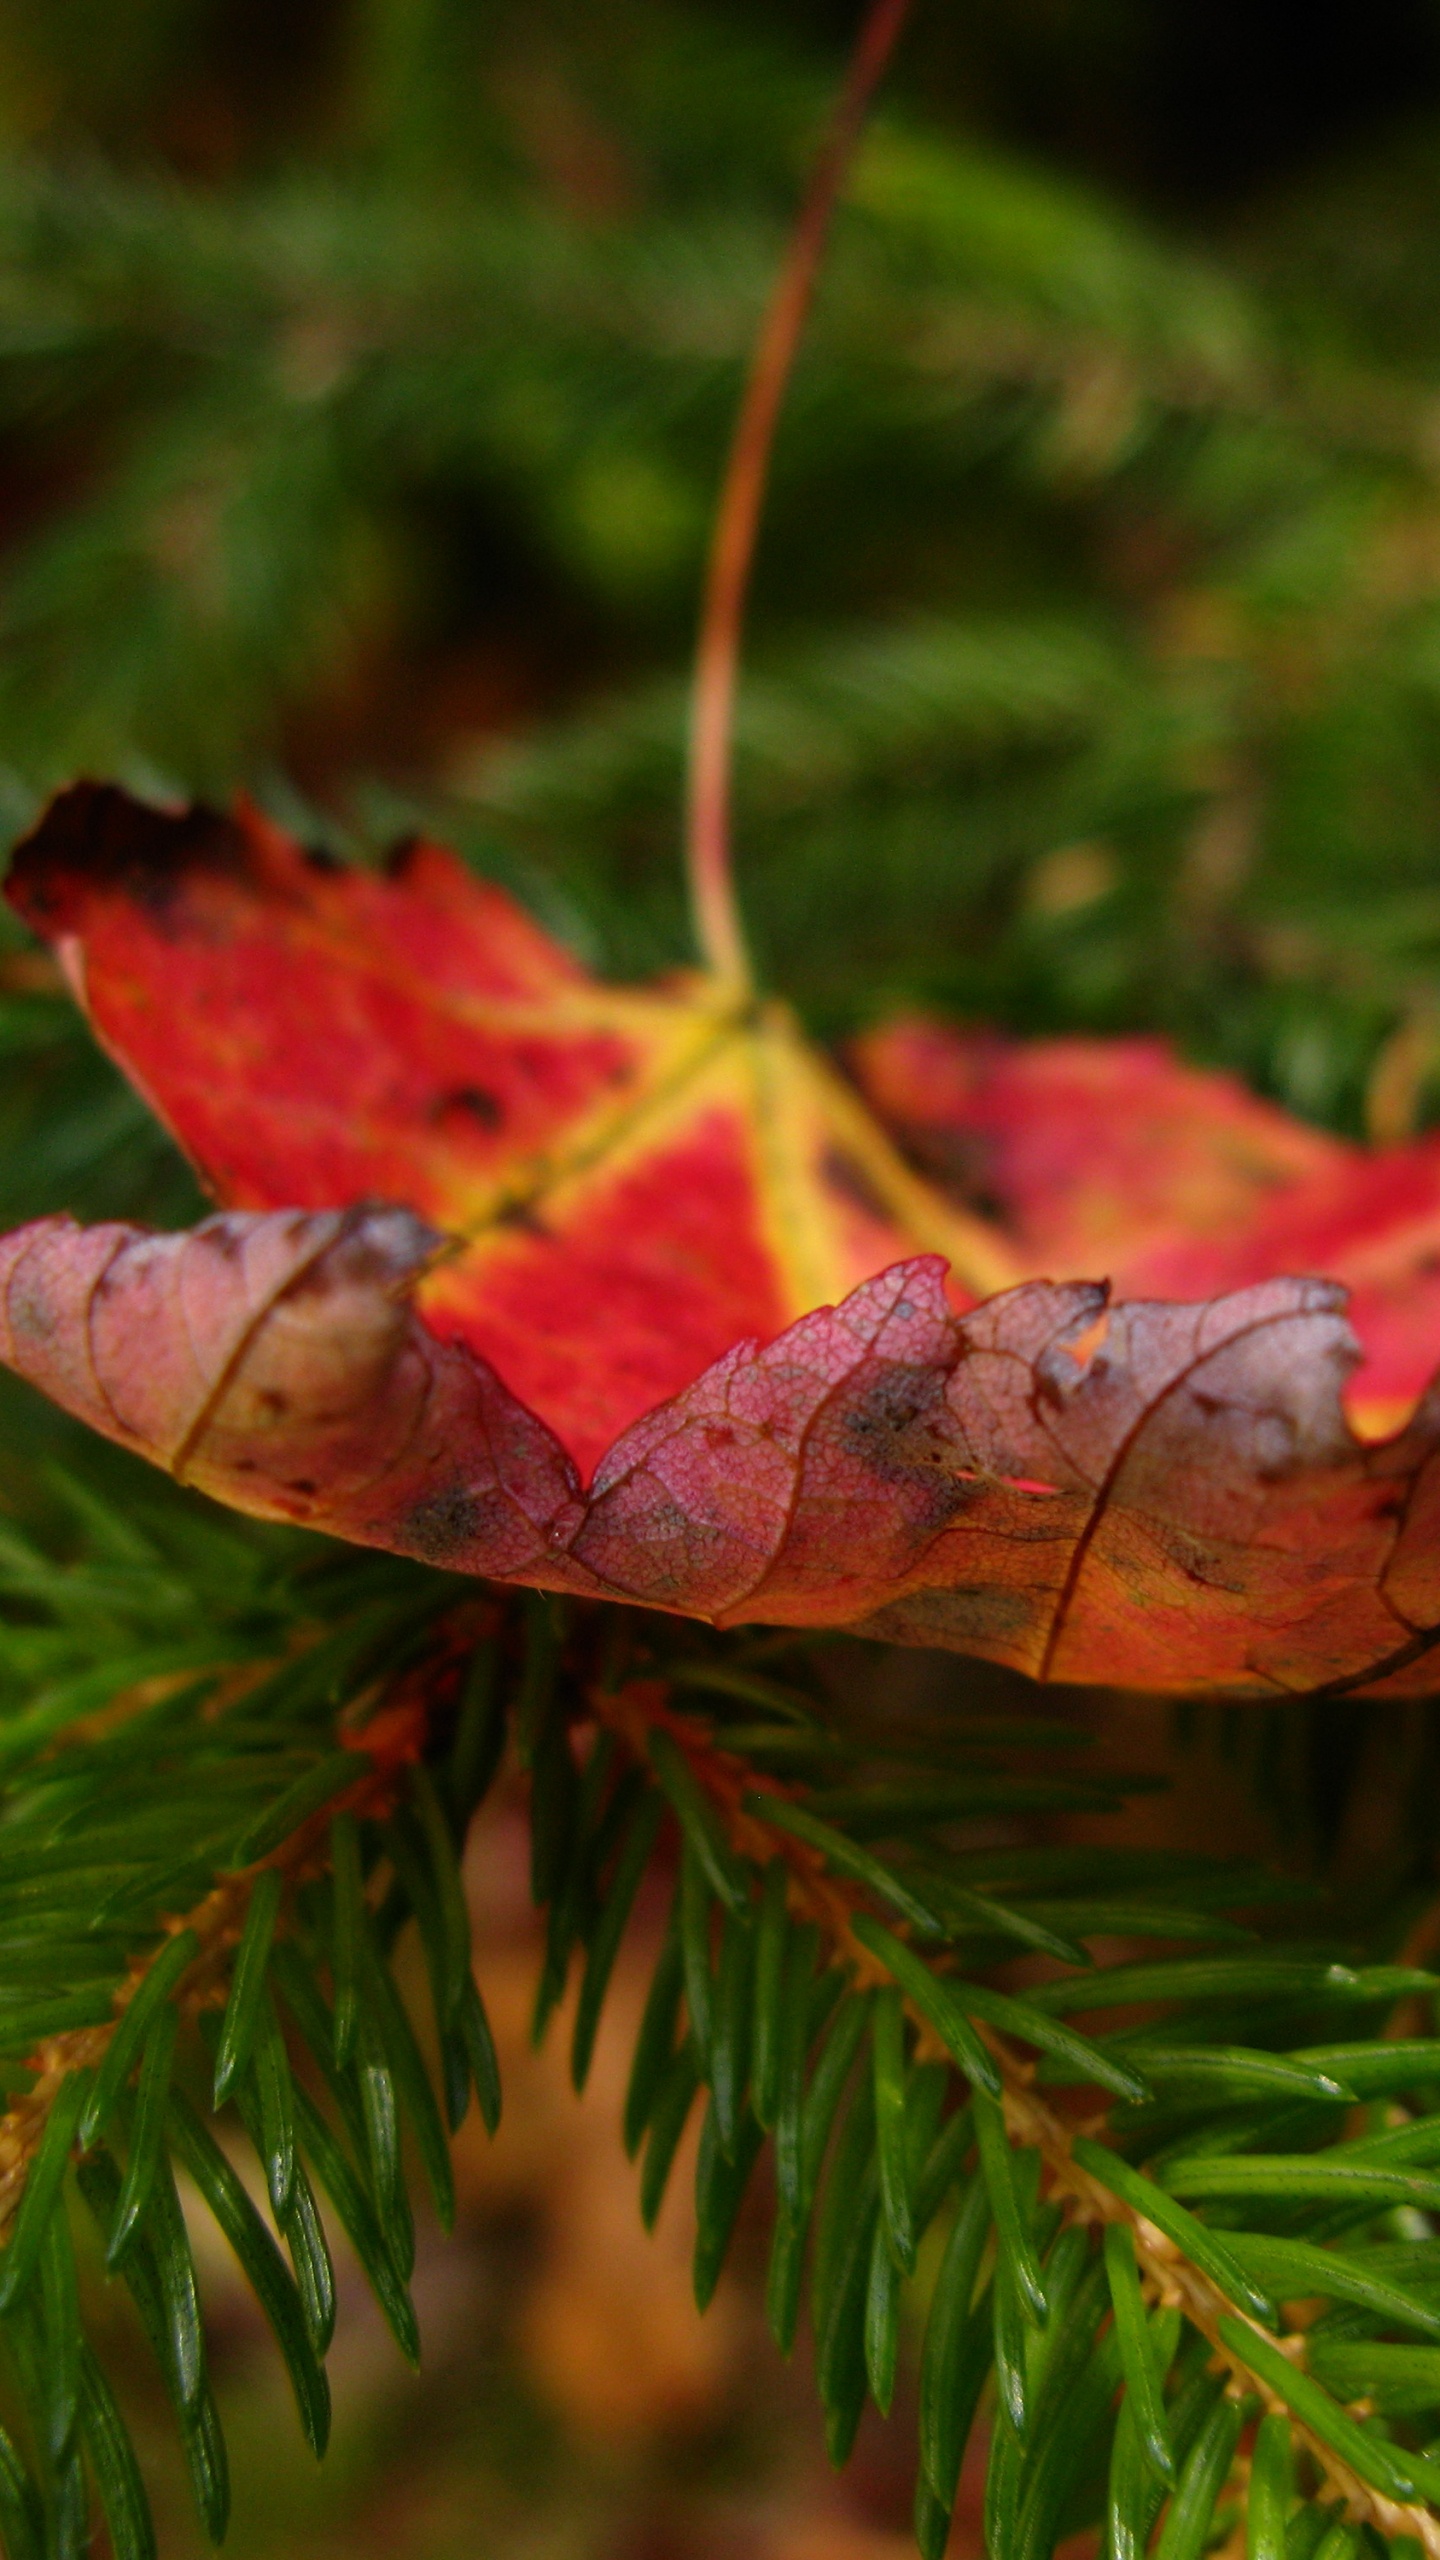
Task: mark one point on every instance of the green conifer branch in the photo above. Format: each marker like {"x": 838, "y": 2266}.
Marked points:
{"x": 827, "y": 1987}
{"x": 1181, "y": 2269}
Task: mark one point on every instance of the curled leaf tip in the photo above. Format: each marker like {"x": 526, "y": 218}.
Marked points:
{"x": 275, "y": 1361}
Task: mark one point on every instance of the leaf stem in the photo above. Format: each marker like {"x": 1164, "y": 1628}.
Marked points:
{"x": 712, "y": 892}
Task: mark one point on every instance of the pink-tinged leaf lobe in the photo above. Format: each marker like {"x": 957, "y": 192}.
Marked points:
{"x": 1166, "y": 1496}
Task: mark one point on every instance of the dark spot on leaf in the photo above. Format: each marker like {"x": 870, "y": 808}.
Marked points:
{"x": 94, "y": 836}
{"x": 957, "y": 1161}
{"x": 443, "y": 1525}
{"x": 519, "y": 1213}
{"x": 845, "y": 1174}
{"x": 901, "y": 1429}
{"x": 1209, "y": 1565}
{"x": 302, "y": 1484}
{"x": 960, "y": 1617}
{"x": 469, "y": 1102}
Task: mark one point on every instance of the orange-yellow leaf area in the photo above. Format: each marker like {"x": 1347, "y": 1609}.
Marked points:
{"x": 628, "y": 1292}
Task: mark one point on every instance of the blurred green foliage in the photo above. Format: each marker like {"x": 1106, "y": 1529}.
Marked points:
{"x": 364, "y": 382}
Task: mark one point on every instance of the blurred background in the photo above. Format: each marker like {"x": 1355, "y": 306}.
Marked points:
{"x": 365, "y": 373}
{"x": 366, "y": 368}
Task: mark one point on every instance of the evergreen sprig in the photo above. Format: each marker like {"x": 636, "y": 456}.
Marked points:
{"x": 210, "y": 1853}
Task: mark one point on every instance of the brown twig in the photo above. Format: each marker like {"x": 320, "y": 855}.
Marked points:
{"x": 1170, "y": 2277}
{"x": 712, "y": 890}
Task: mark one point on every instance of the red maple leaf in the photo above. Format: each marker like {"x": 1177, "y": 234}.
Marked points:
{"x": 637, "y": 1189}
{"x": 625, "y": 1292}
